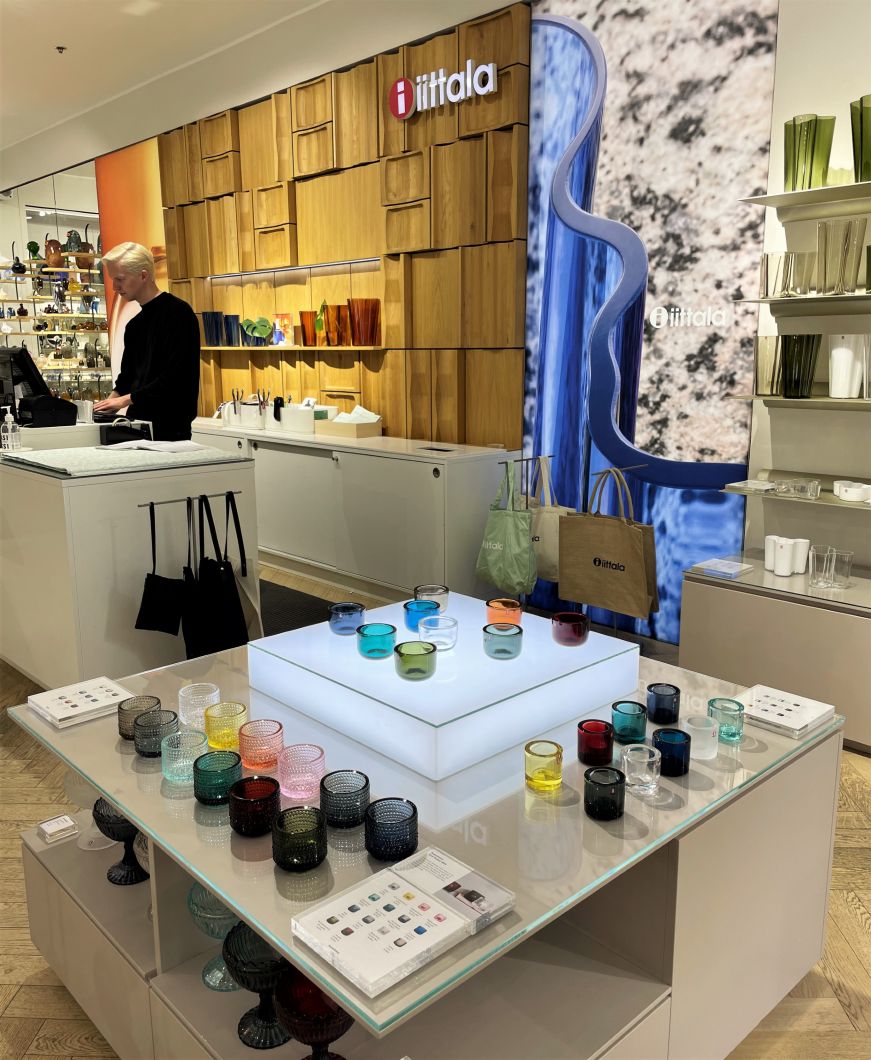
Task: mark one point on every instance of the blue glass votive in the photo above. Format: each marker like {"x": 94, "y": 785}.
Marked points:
{"x": 663, "y": 703}
{"x": 346, "y": 617}
{"x": 503, "y": 640}
{"x": 376, "y": 640}
{"x": 415, "y": 610}
{"x": 629, "y": 720}
{"x": 674, "y": 746}
{"x": 604, "y": 793}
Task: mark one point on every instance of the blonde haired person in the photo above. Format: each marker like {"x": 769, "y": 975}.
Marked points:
{"x": 160, "y": 368}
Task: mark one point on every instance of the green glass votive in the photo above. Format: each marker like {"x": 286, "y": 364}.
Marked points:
{"x": 415, "y": 659}
{"x": 503, "y": 640}
{"x": 729, "y": 714}
{"x": 629, "y": 720}
{"x": 214, "y": 774}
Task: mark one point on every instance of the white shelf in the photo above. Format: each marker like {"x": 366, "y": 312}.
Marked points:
{"x": 826, "y": 499}
{"x": 820, "y": 402}
{"x": 815, "y": 304}
{"x": 840, "y": 200}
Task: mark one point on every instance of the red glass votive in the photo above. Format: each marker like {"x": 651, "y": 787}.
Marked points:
{"x": 595, "y": 742}
{"x": 570, "y": 628}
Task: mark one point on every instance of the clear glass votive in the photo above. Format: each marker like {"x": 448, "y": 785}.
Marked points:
{"x": 543, "y": 765}
{"x": 149, "y": 730}
{"x": 674, "y": 746}
{"x": 215, "y": 773}
{"x": 504, "y": 610}
{"x": 415, "y": 610}
{"x": 300, "y": 768}
{"x": 595, "y": 742}
{"x": 346, "y": 617}
{"x": 415, "y": 660}
{"x": 178, "y": 752}
{"x": 503, "y": 640}
{"x": 299, "y": 838}
{"x": 254, "y": 805}
{"x": 344, "y": 797}
{"x": 391, "y": 829}
{"x": 729, "y": 715}
{"x": 663, "y": 703}
{"x": 439, "y": 593}
{"x": 260, "y": 743}
{"x": 570, "y": 628}
{"x": 441, "y": 630}
{"x": 130, "y": 709}
{"x": 604, "y": 793}
{"x": 641, "y": 764}
{"x": 705, "y": 732}
{"x": 192, "y": 702}
{"x": 376, "y": 640}
{"x": 629, "y": 720}
{"x": 223, "y": 722}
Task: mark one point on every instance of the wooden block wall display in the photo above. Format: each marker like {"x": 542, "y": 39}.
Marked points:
{"x": 459, "y": 200}
{"x": 245, "y": 229}
{"x": 435, "y": 300}
{"x": 176, "y": 253}
{"x": 509, "y": 105}
{"x": 258, "y": 145}
{"x": 275, "y": 248}
{"x": 437, "y": 124}
{"x": 330, "y": 284}
{"x": 293, "y": 293}
{"x": 290, "y": 384}
{"x": 405, "y": 178}
{"x": 211, "y": 394}
{"x": 340, "y": 216}
{"x": 258, "y": 299}
{"x": 275, "y": 205}
{"x": 408, "y": 227}
{"x": 311, "y": 103}
{"x": 494, "y": 294}
{"x": 338, "y": 370}
{"x": 219, "y": 133}
{"x": 313, "y": 150}
{"x": 222, "y": 175}
{"x": 227, "y": 296}
{"x": 418, "y": 394}
{"x": 494, "y": 397}
{"x": 355, "y": 115}
{"x": 194, "y": 161}
{"x": 391, "y": 131}
{"x": 283, "y": 135}
{"x": 223, "y": 234}
{"x": 382, "y": 388}
{"x": 173, "y": 163}
{"x": 449, "y": 395}
{"x": 196, "y": 292}
{"x": 507, "y": 183}
{"x": 196, "y": 239}
{"x": 396, "y": 309}
{"x": 235, "y": 371}
{"x": 345, "y": 401}
{"x": 308, "y": 373}
{"x": 501, "y": 37}
{"x": 266, "y": 370}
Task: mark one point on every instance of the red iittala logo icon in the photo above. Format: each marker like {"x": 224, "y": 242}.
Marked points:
{"x": 402, "y": 102}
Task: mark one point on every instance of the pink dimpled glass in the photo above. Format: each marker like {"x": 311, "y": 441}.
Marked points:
{"x": 260, "y": 743}
{"x": 300, "y": 768}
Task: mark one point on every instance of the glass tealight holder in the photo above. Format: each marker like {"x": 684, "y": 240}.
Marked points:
{"x": 604, "y": 793}
{"x": 543, "y": 765}
{"x": 842, "y": 567}
{"x": 214, "y": 774}
{"x": 391, "y": 829}
{"x": 149, "y": 730}
{"x": 705, "y": 733}
{"x": 729, "y": 715}
{"x": 179, "y": 751}
{"x": 504, "y": 610}
{"x": 299, "y": 838}
{"x": 441, "y": 630}
{"x": 344, "y": 797}
{"x": 415, "y": 610}
{"x": 663, "y": 703}
{"x": 629, "y": 720}
{"x": 346, "y": 617}
{"x": 674, "y": 746}
{"x": 300, "y": 768}
{"x": 439, "y": 593}
{"x": 254, "y": 805}
{"x": 223, "y": 722}
{"x": 503, "y": 640}
{"x": 570, "y": 628}
{"x": 595, "y": 742}
{"x": 130, "y": 709}
{"x": 192, "y": 702}
{"x": 376, "y": 640}
{"x": 415, "y": 659}
{"x": 641, "y": 765}
{"x": 260, "y": 743}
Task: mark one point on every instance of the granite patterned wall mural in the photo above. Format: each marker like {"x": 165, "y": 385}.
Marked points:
{"x": 682, "y": 135}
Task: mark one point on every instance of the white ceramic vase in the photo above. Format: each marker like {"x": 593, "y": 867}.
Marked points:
{"x": 845, "y": 365}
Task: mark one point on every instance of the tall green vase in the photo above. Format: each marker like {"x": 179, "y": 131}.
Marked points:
{"x": 860, "y": 127}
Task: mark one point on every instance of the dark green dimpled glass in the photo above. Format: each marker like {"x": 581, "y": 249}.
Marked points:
{"x": 214, "y": 774}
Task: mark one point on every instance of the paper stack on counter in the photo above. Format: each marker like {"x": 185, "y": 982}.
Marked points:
{"x": 359, "y": 415}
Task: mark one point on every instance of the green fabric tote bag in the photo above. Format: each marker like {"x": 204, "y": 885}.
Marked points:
{"x": 507, "y": 557}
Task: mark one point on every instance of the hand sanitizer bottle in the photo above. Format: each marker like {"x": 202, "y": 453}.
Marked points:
{"x": 10, "y": 432}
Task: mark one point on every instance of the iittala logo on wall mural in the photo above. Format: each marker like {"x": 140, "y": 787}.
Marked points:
{"x": 681, "y": 317}
{"x": 437, "y": 88}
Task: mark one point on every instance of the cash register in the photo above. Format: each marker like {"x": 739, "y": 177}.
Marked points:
{"x": 24, "y": 390}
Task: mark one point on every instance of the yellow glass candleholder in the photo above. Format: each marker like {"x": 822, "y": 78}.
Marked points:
{"x": 223, "y": 721}
{"x": 543, "y": 765}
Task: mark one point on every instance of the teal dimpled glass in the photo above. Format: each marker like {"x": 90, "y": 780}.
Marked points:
{"x": 415, "y": 610}
{"x": 214, "y": 774}
{"x": 629, "y": 720}
{"x": 729, "y": 714}
{"x": 503, "y": 640}
{"x": 415, "y": 660}
{"x": 376, "y": 640}
{"x": 179, "y": 751}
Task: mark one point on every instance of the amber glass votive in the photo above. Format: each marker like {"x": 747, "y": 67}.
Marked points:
{"x": 543, "y": 765}
{"x": 663, "y": 703}
{"x": 604, "y": 793}
{"x": 254, "y": 805}
{"x": 260, "y": 743}
{"x": 504, "y": 610}
{"x": 595, "y": 742}
{"x": 223, "y": 722}
{"x": 570, "y": 628}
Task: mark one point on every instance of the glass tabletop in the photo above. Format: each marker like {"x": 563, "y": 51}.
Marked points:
{"x": 543, "y": 848}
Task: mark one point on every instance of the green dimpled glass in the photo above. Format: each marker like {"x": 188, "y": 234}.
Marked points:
{"x": 214, "y": 774}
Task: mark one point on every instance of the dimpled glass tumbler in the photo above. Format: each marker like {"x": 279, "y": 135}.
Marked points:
{"x": 254, "y": 805}
{"x": 543, "y": 765}
{"x": 415, "y": 659}
{"x": 179, "y": 751}
{"x": 415, "y": 610}
{"x": 441, "y": 630}
{"x": 503, "y": 640}
{"x": 192, "y": 703}
{"x": 256, "y": 966}
{"x": 344, "y": 797}
{"x": 214, "y": 919}
{"x": 439, "y": 593}
{"x": 130, "y": 709}
{"x": 391, "y": 829}
{"x": 504, "y": 610}
{"x": 149, "y": 730}
{"x": 223, "y": 722}
{"x": 729, "y": 715}
{"x": 300, "y": 768}
{"x": 345, "y": 617}
{"x": 629, "y": 721}
{"x": 260, "y": 743}
{"x": 299, "y": 838}
{"x": 376, "y": 640}
{"x": 214, "y": 774}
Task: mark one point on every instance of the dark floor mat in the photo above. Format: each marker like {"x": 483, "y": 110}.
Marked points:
{"x": 282, "y": 609}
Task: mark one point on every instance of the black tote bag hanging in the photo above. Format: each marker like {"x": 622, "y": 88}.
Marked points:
{"x": 194, "y": 620}
{"x": 162, "y": 598}
{"x": 217, "y": 589}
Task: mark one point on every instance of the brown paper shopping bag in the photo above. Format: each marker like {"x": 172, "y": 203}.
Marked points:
{"x": 649, "y": 543}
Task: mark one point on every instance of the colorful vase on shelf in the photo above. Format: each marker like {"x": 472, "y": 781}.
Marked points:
{"x": 860, "y": 128}
{"x": 365, "y": 321}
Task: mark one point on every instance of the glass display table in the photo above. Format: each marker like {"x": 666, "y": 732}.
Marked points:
{"x": 610, "y": 943}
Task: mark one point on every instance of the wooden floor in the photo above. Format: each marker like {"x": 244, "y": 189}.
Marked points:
{"x": 826, "y": 1017}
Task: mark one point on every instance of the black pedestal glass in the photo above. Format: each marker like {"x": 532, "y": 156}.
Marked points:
{"x": 256, "y": 966}
{"x": 309, "y": 1015}
{"x": 299, "y": 838}
{"x": 214, "y": 774}
{"x": 344, "y": 797}
{"x": 391, "y": 829}
{"x": 254, "y": 805}
{"x": 114, "y": 826}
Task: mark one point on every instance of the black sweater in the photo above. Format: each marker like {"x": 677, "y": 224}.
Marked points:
{"x": 160, "y": 368}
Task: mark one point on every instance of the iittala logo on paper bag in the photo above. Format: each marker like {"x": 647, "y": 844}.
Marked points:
{"x": 607, "y": 564}
{"x": 494, "y": 546}
{"x": 438, "y": 87}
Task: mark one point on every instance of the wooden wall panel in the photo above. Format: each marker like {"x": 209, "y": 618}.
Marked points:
{"x": 338, "y": 370}
{"x": 210, "y": 396}
{"x": 459, "y": 200}
{"x": 405, "y": 178}
{"x": 311, "y": 103}
{"x": 176, "y": 252}
{"x": 501, "y": 37}
{"x": 245, "y": 229}
{"x": 507, "y": 183}
{"x": 275, "y": 205}
{"x": 507, "y": 106}
{"x": 330, "y": 284}
{"x": 435, "y": 300}
{"x": 407, "y": 227}
{"x": 435, "y": 125}
{"x": 196, "y": 239}
{"x": 355, "y": 115}
{"x": 494, "y": 397}
{"x": 197, "y": 293}
{"x": 292, "y": 293}
{"x": 345, "y": 401}
{"x": 339, "y": 216}
{"x": 258, "y": 297}
{"x": 275, "y": 248}
{"x": 194, "y": 161}
{"x": 367, "y": 281}
{"x": 396, "y": 308}
{"x": 290, "y": 384}
{"x": 314, "y": 150}
{"x": 172, "y": 159}
{"x": 266, "y": 371}
{"x": 219, "y": 133}
{"x": 494, "y": 294}
{"x": 308, "y": 372}
{"x": 283, "y": 135}
{"x": 227, "y": 296}
{"x": 449, "y": 395}
{"x": 235, "y": 371}
{"x": 383, "y": 390}
{"x": 258, "y": 145}
{"x": 223, "y": 234}
{"x": 221, "y": 175}
{"x": 418, "y": 394}
{"x": 391, "y": 131}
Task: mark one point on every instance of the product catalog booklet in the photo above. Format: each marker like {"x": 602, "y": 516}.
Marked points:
{"x": 394, "y": 922}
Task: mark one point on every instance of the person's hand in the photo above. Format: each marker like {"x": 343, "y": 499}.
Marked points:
{"x": 113, "y": 404}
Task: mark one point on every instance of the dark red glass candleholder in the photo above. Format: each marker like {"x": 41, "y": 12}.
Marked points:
{"x": 311, "y": 1017}
{"x": 254, "y": 805}
{"x": 570, "y": 628}
{"x": 595, "y": 742}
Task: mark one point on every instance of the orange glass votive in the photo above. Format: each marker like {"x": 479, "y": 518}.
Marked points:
{"x": 504, "y": 610}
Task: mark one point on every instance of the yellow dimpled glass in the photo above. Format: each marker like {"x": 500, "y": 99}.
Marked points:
{"x": 543, "y": 762}
{"x": 223, "y": 721}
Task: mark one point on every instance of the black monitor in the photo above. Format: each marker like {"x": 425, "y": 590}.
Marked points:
{"x": 19, "y": 377}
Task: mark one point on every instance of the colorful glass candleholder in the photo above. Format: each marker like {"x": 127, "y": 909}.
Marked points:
{"x": 415, "y": 659}
{"x": 344, "y": 797}
{"x": 503, "y": 640}
{"x": 604, "y": 793}
{"x": 504, "y": 610}
{"x": 223, "y": 722}
{"x": 439, "y": 593}
{"x": 570, "y": 628}
{"x": 346, "y": 617}
{"x": 214, "y": 919}
{"x": 441, "y": 630}
{"x": 376, "y": 640}
{"x": 704, "y": 732}
{"x": 300, "y": 768}
{"x": 543, "y": 765}
{"x": 674, "y": 746}
{"x": 663, "y": 703}
{"x": 149, "y": 730}
{"x": 256, "y": 966}
{"x": 415, "y": 610}
{"x": 629, "y": 721}
{"x": 641, "y": 765}
{"x": 391, "y": 829}
{"x": 178, "y": 752}
{"x": 595, "y": 742}
{"x": 299, "y": 838}
{"x": 192, "y": 703}
{"x": 254, "y": 805}
{"x": 309, "y": 1015}
{"x": 729, "y": 715}
{"x": 130, "y": 709}
{"x": 260, "y": 743}
{"x": 214, "y": 774}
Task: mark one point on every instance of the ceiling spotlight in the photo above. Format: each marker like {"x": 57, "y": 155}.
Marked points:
{"x": 60, "y": 48}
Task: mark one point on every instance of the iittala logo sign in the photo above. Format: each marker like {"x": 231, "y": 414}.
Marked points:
{"x": 681, "y": 317}
{"x": 438, "y": 87}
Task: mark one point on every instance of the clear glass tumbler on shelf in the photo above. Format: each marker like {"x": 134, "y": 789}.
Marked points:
{"x": 192, "y": 702}
{"x": 821, "y": 562}
{"x": 842, "y": 567}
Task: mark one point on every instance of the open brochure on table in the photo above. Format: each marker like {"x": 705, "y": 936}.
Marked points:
{"x": 394, "y": 922}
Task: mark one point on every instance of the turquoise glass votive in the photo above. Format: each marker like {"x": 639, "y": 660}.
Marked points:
{"x": 629, "y": 720}
{"x": 415, "y": 610}
{"x": 179, "y": 751}
{"x": 214, "y": 774}
{"x": 376, "y": 640}
{"x": 729, "y": 714}
{"x": 415, "y": 660}
{"x": 503, "y": 640}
